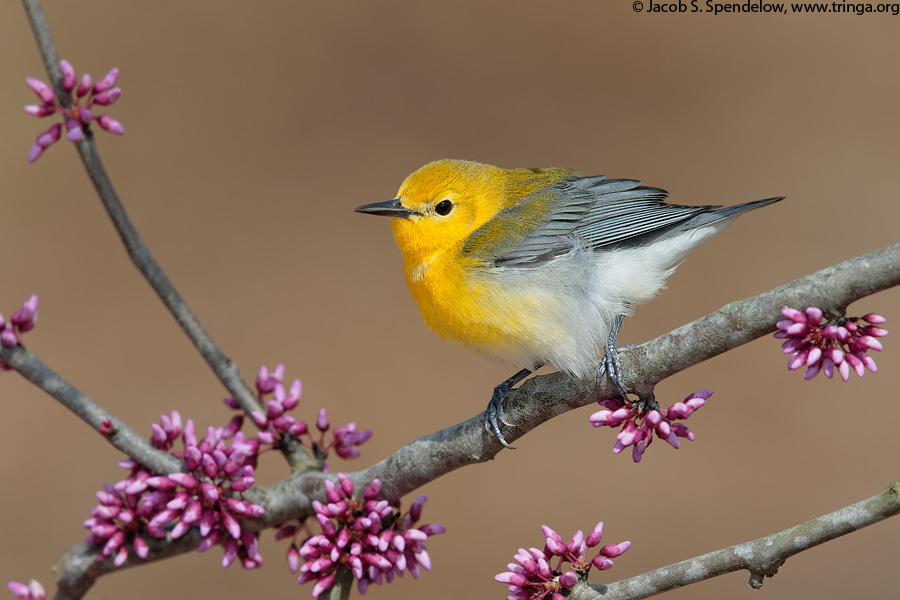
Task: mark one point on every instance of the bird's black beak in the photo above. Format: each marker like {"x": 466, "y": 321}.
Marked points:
{"x": 391, "y": 208}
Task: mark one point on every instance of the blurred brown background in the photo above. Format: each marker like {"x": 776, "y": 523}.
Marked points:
{"x": 253, "y": 129}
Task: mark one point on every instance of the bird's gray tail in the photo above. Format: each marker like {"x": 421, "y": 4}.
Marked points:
{"x": 726, "y": 213}
{"x": 733, "y": 211}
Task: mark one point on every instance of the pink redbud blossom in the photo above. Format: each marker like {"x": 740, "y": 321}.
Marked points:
{"x": 276, "y": 424}
{"x": 265, "y": 381}
{"x": 21, "y": 321}
{"x": 33, "y": 591}
{"x": 840, "y": 344}
{"x": 322, "y": 423}
{"x": 209, "y": 497}
{"x": 68, "y": 71}
{"x": 374, "y": 541}
{"x": 533, "y": 575}
{"x": 43, "y": 91}
{"x": 80, "y": 113}
{"x": 642, "y": 419}
{"x": 26, "y": 317}
{"x": 107, "y": 82}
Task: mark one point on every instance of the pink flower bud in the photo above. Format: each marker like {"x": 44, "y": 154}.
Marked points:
{"x": 140, "y": 547}
{"x": 857, "y": 365}
{"x": 322, "y": 423}
{"x": 231, "y": 552}
{"x": 866, "y": 341}
{"x": 798, "y": 360}
{"x": 107, "y": 82}
{"x": 69, "y": 79}
{"x": 875, "y": 331}
{"x": 275, "y": 409}
{"x": 828, "y": 367}
{"x": 260, "y": 419}
{"x": 812, "y": 371}
{"x": 576, "y": 543}
{"x": 40, "y": 110}
{"x": 373, "y": 489}
{"x": 869, "y": 363}
{"x": 35, "y": 153}
{"x": 614, "y": 550}
{"x": 797, "y": 329}
{"x": 794, "y": 315}
{"x": 593, "y": 538}
{"x": 49, "y": 137}
{"x": 815, "y": 355}
{"x": 209, "y": 541}
{"x": 161, "y": 482}
{"x": 831, "y": 332}
{"x": 516, "y": 579}
{"x": 85, "y": 85}
{"x": 323, "y": 584}
{"x": 75, "y": 133}
{"x": 293, "y": 558}
{"x": 185, "y": 480}
{"x": 814, "y": 315}
{"x": 110, "y": 124}
{"x": 346, "y": 484}
{"x": 20, "y": 589}
{"x": 556, "y": 548}
{"x": 43, "y": 91}
{"x": 844, "y": 370}
{"x": 415, "y": 510}
{"x": 293, "y": 397}
{"x": 108, "y": 97}
{"x": 231, "y": 525}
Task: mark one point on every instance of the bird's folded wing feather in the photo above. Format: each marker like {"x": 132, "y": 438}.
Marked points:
{"x": 598, "y": 211}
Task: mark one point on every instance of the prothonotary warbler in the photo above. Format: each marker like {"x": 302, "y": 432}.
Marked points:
{"x": 539, "y": 266}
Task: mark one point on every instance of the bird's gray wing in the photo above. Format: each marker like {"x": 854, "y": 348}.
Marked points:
{"x": 597, "y": 211}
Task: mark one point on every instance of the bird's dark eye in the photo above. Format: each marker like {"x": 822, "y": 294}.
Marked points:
{"x": 443, "y": 207}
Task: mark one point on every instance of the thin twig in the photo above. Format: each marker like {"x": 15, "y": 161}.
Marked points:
{"x": 761, "y": 557}
{"x": 223, "y": 367}
{"x": 122, "y": 436}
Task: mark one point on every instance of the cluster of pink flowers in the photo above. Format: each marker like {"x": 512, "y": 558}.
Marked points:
{"x": 822, "y": 345}
{"x": 643, "y": 418}
{"x": 21, "y": 321}
{"x": 85, "y": 96}
{"x": 208, "y": 496}
{"x": 367, "y": 536}
{"x": 532, "y": 577}
{"x": 33, "y": 591}
{"x": 275, "y": 423}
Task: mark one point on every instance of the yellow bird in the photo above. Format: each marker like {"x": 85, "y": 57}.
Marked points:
{"x": 538, "y": 266}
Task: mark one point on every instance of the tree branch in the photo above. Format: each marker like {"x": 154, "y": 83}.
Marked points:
{"x": 761, "y": 557}
{"x": 538, "y": 399}
{"x": 224, "y": 368}
{"x": 544, "y": 397}
{"x": 122, "y": 436}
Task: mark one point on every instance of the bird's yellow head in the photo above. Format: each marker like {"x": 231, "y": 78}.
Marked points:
{"x": 441, "y": 204}
{"x": 447, "y": 200}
